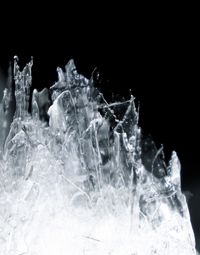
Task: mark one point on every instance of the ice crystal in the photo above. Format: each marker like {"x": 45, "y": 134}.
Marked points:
{"x": 88, "y": 182}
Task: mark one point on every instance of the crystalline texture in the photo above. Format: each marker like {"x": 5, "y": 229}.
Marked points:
{"x": 23, "y": 82}
{"x": 89, "y": 182}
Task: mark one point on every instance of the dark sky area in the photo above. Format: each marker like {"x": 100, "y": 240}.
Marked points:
{"x": 154, "y": 55}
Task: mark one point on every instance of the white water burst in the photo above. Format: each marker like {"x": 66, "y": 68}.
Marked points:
{"x": 89, "y": 182}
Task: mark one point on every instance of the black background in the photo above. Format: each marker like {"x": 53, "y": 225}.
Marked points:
{"x": 155, "y": 53}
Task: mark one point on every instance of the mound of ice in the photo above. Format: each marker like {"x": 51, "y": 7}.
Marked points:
{"x": 89, "y": 182}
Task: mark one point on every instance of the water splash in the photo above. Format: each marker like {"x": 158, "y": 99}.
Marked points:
{"x": 89, "y": 182}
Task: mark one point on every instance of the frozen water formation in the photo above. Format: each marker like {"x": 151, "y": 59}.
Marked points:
{"x": 88, "y": 182}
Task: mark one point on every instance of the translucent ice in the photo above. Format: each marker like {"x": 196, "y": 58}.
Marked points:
{"x": 89, "y": 182}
